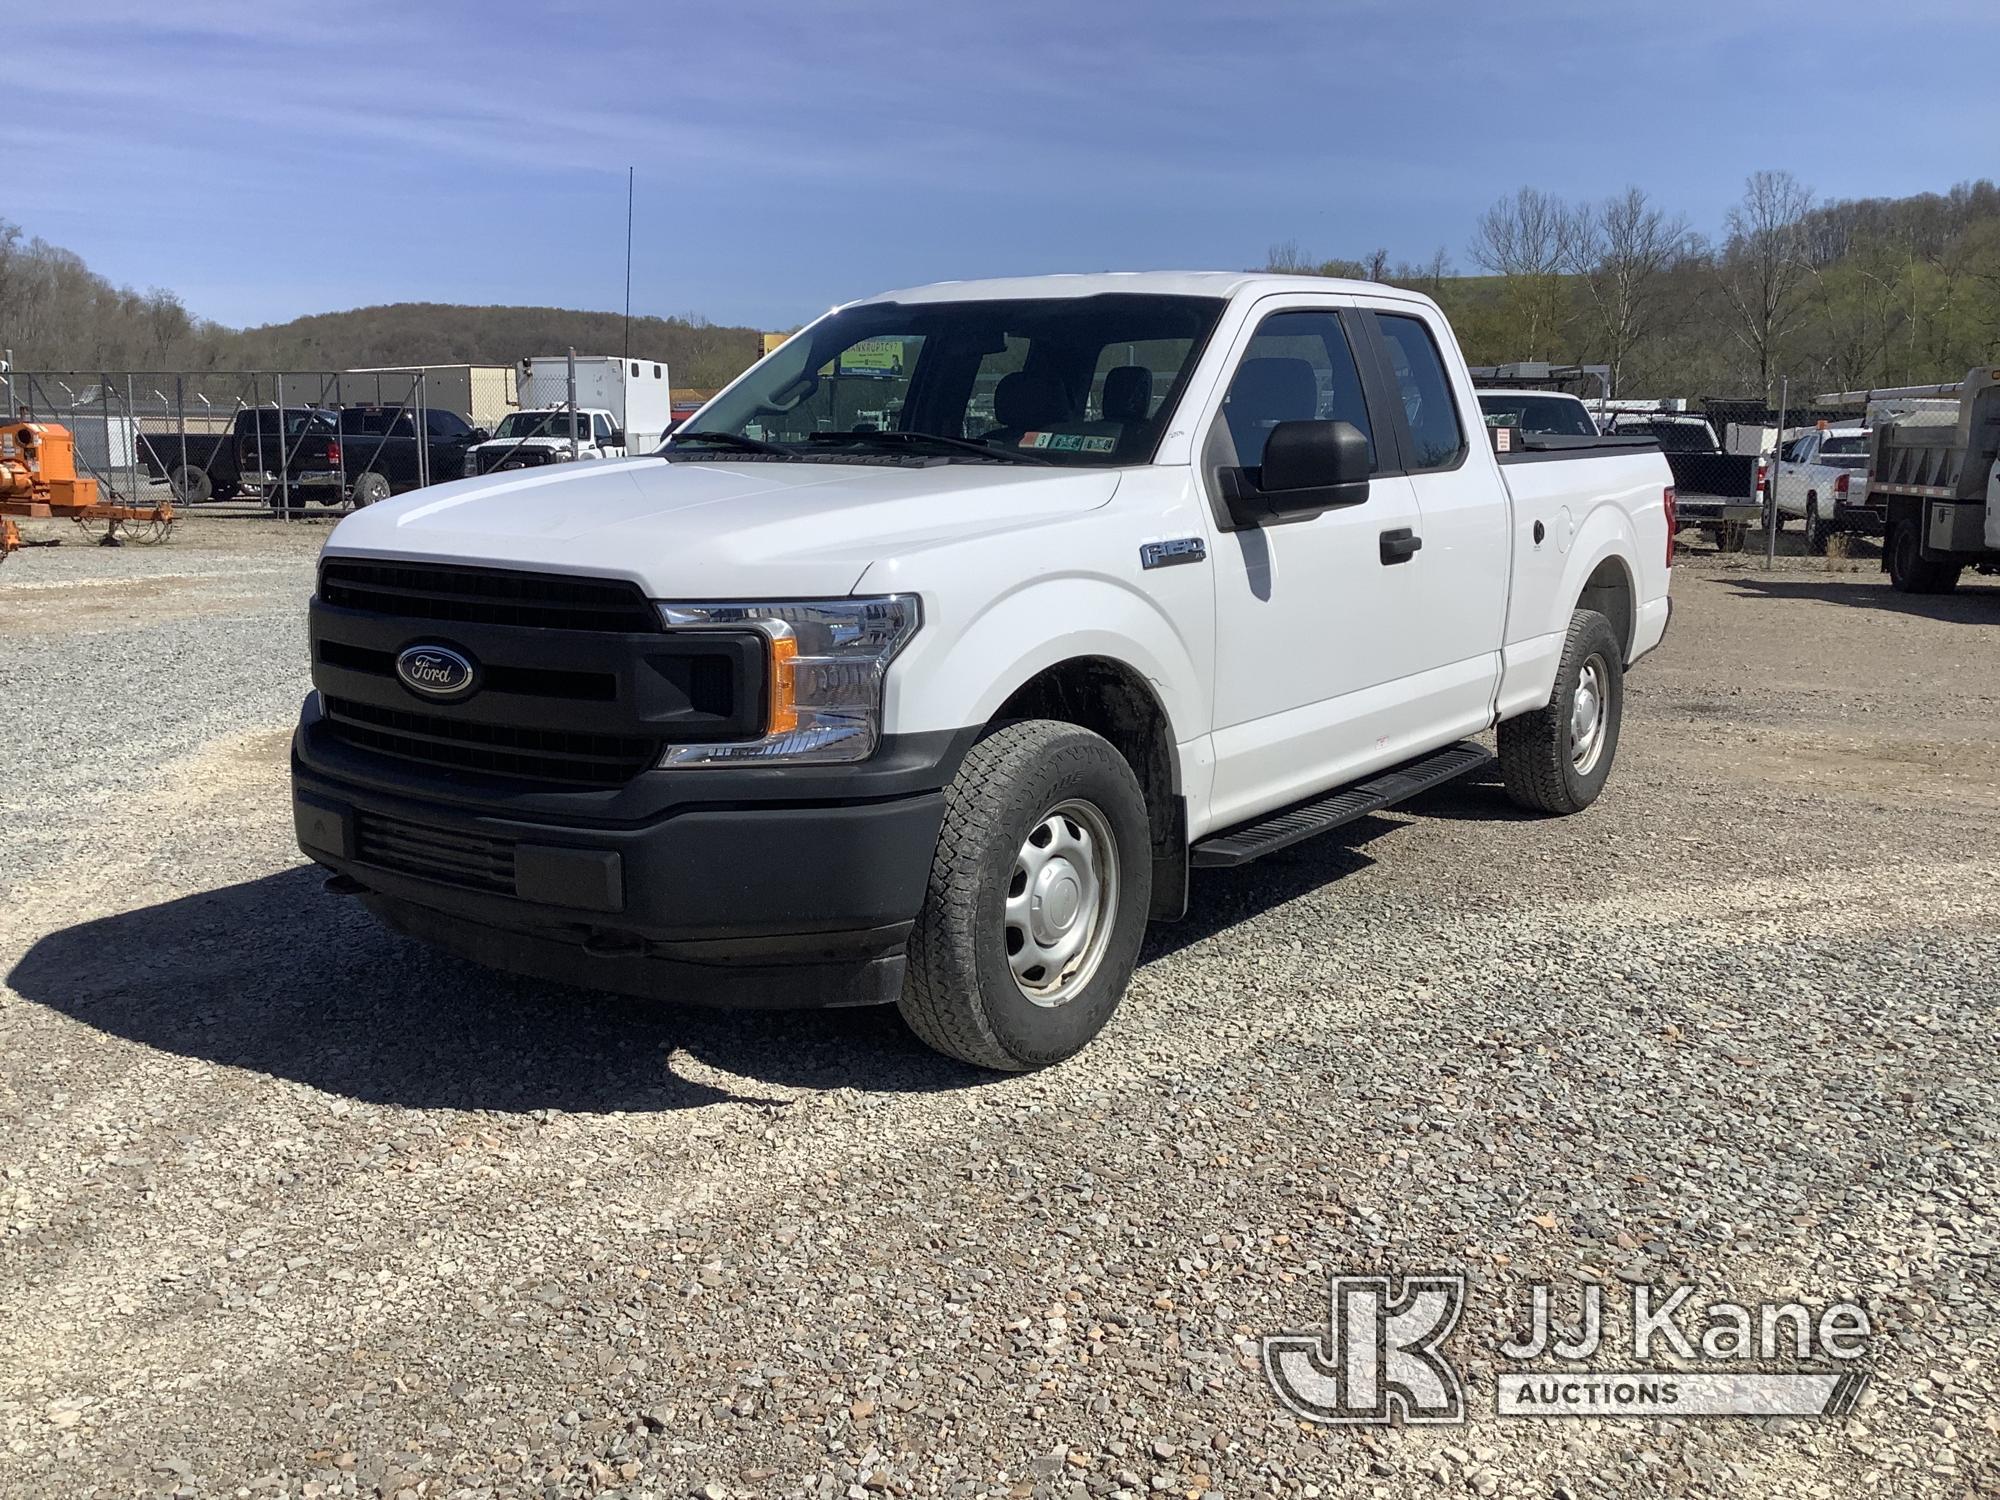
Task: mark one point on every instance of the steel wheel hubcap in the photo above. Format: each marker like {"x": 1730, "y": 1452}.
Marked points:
{"x": 1060, "y": 902}
{"x": 1586, "y": 717}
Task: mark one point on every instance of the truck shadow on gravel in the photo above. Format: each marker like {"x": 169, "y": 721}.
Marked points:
{"x": 1971, "y": 604}
{"x": 276, "y": 977}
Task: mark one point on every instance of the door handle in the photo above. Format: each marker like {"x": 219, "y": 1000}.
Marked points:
{"x": 1399, "y": 546}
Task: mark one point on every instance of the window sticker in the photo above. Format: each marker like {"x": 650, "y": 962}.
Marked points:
{"x": 1069, "y": 442}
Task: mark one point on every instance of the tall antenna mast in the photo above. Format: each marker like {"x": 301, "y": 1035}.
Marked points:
{"x": 629, "y": 172}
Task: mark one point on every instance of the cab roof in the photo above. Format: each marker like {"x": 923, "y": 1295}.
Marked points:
{"x": 1223, "y": 284}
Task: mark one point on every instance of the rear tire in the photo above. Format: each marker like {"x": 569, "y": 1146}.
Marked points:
{"x": 1910, "y": 572}
{"x": 1037, "y": 900}
{"x": 1557, "y": 759}
{"x": 369, "y": 488}
{"x": 191, "y": 484}
{"x": 1816, "y": 530}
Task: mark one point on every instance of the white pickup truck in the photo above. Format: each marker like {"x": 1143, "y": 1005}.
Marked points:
{"x": 532, "y": 438}
{"x": 1145, "y": 573}
{"x": 1822, "y": 477}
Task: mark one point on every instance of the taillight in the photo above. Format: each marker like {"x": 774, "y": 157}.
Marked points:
{"x": 1672, "y": 505}
{"x": 1840, "y": 486}
{"x": 1763, "y": 475}
{"x": 333, "y": 452}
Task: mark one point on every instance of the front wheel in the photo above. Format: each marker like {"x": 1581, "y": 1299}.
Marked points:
{"x": 1557, "y": 759}
{"x": 1910, "y": 572}
{"x": 1037, "y": 899}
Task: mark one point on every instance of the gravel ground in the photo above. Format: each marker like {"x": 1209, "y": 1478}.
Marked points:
{"x": 290, "y": 1206}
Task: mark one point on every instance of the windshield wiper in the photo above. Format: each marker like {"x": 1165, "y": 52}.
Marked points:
{"x": 734, "y": 440}
{"x": 936, "y": 440}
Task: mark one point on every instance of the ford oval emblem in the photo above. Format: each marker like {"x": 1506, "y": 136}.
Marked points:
{"x": 436, "y": 672}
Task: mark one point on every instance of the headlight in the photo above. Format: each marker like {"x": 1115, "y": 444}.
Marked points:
{"x": 472, "y": 466}
{"x": 825, "y": 664}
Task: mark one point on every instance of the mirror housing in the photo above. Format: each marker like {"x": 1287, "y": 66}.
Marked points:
{"x": 617, "y": 438}
{"x": 1309, "y": 468}
{"x": 478, "y": 435}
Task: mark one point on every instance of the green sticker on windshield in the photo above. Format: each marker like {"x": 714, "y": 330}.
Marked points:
{"x": 1069, "y": 442}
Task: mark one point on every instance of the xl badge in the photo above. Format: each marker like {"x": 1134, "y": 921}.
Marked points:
{"x": 436, "y": 672}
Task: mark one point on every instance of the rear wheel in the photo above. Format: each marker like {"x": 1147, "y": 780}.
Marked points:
{"x": 191, "y": 484}
{"x": 1910, "y": 572}
{"x": 1557, "y": 759}
{"x": 1037, "y": 899}
{"x": 369, "y": 489}
{"x": 1816, "y": 530}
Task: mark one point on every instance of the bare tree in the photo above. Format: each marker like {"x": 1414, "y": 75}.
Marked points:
{"x": 1376, "y": 265}
{"x": 1623, "y": 250}
{"x": 1764, "y": 265}
{"x": 1527, "y": 239}
{"x": 1288, "y": 259}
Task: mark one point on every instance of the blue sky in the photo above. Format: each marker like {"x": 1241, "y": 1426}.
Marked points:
{"x": 266, "y": 159}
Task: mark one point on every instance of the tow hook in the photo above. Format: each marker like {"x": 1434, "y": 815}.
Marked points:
{"x": 343, "y": 885}
{"x": 603, "y": 944}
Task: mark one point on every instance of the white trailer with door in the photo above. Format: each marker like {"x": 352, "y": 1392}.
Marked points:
{"x": 637, "y": 392}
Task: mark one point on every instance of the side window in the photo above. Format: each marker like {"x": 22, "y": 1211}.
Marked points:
{"x": 1438, "y": 441}
{"x": 1297, "y": 368}
{"x": 446, "y": 424}
{"x": 600, "y": 426}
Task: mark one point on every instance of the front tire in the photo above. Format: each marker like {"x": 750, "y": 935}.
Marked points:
{"x": 1910, "y": 572}
{"x": 1557, "y": 759}
{"x": 1037, "y": 900}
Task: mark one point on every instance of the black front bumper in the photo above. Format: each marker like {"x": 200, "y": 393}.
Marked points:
{"x": 756, "y": 887}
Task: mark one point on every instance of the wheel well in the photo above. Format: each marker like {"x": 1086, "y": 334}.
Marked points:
{"x": 1609, "y": 592}
{"x": 1110, "y": 699}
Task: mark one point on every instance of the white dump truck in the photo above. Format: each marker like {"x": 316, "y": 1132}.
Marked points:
{"x": 1934, "y": 467}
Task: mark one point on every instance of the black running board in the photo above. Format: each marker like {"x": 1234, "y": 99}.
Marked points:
{"x": 1248, "y": 841}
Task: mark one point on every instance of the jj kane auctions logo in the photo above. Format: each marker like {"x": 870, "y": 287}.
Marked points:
{"x": 1381, "y": 1356}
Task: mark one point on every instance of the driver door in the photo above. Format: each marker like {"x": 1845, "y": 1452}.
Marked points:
{"x": 1309, "y": 611}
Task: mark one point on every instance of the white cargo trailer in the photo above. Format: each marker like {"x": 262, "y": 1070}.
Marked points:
{"x": 482, "y": 394}
{"x": 636, "y": 392}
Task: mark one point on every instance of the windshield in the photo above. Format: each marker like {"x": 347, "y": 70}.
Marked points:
{"x": 1673, "y": 436}
{"x": 1070, "y": 380}
{"x": 522, "y": 424}
{"x": 1557, "y": 416}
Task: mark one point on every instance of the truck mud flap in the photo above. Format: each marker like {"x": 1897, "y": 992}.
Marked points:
{"x": 1248, "y": 841}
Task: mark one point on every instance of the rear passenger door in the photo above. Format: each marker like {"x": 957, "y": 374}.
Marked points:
{"x": 1311, "y": 617}
{"x": 1462, "y": 516}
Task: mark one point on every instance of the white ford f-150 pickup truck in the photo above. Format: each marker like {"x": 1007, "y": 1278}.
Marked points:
{"x": 924, "y": 662}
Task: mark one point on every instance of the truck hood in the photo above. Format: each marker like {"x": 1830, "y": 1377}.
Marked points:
{"x": 721, "y": 530}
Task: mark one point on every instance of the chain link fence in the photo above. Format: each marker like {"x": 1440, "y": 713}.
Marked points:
{"x": 296, "y": 443}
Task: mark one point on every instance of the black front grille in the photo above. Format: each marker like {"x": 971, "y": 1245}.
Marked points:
{"x": 538, "y": 682}
{"x": 487, "y": 596}
{"x": 515, "y": 458}
{"x": 500, "y": 750}
{"x": 473, "y": 860}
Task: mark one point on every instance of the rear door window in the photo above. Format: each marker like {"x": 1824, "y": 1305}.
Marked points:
{"x": 1417, "y": 369}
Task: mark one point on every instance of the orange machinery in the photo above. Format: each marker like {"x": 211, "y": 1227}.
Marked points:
{"x": 38, "y": 478}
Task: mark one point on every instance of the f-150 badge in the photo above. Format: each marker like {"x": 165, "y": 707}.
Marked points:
{"x": 1185, "y": 549}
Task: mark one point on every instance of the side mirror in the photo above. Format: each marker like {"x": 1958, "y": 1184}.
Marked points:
{"x": 478, "y": 435}
{"x": 617, "y": 438}
{"x": 1309, "y": 467}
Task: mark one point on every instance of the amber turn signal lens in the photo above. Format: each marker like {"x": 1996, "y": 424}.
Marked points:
{"x": 784, "y": 699}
